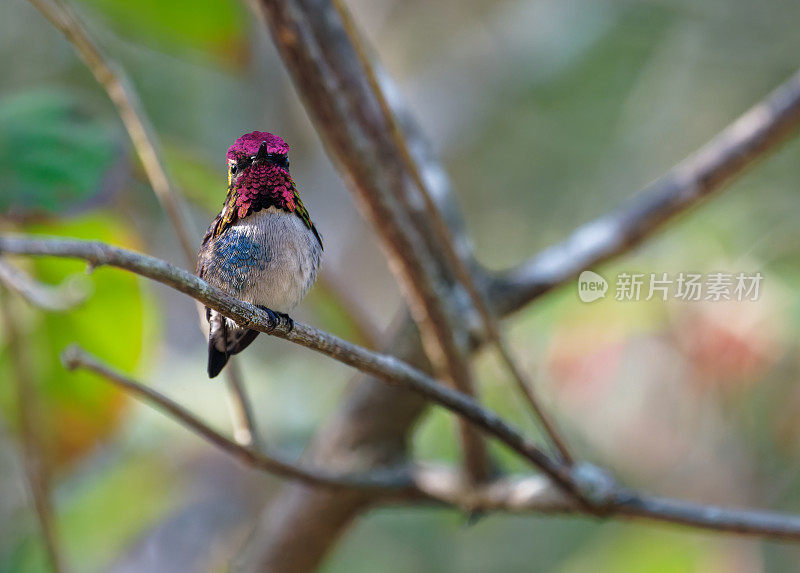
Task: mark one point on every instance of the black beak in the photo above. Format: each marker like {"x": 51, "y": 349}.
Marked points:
{"x": 262, "y": 154}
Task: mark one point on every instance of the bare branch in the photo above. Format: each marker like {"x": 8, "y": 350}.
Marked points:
{"x": 35, "y": 465}
{"x": 241, "y": 410}
{"x": 431, "y": 215}
{"x": 438, "y": 484}
{"x": 124, "y": 97}
{"x": 54, "y": 298}
{"x": 536, "y": 494}
{"x": 747, "y": 522}
{"x": 760, "y": 130}
{"x": 326, "y": 71}
{"x": 387, "y": 368}
{"x": 74, "y": 357}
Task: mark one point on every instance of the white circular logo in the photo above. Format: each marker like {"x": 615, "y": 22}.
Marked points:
{"x": 591, "y": 286}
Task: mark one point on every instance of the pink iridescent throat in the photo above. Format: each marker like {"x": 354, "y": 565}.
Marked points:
{"x": 262, "y": 184}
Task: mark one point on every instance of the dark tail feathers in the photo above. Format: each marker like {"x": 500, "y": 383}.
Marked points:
{"x": 218, "y": 359}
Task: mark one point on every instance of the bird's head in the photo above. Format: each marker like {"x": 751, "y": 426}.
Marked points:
{"x": 256, "y": 151}
{"x": 258, "y": 174}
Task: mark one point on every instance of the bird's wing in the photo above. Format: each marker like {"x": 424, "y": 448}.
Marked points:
{"x": 302, "y": 212}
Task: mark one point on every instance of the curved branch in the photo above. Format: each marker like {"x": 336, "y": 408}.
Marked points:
{"x": 46, "y": 297}
{"x": 387, "y": 482}
{"x": 759, "y": 131}
{"x": 387, "y": 368}
{"x": 442, "y": 485}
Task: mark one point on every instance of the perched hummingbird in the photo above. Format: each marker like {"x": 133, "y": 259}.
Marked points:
{"x": 262, "y": 248}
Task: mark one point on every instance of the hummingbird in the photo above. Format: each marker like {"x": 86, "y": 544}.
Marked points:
{"x": 262, "y": 247}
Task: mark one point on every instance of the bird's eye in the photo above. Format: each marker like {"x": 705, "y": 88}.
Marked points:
{"x": 234, "y": 169}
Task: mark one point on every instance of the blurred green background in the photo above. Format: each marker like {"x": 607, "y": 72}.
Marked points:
{"x": 547, "y": 113}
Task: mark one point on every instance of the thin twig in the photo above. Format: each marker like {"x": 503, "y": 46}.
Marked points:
{"x": 124, "y": 97}
{"x": 75, "y": 357}
{"x": 387, "y": 368}
{"x": 53, "y": 298}
{"x": 536, "y": 494}
{"x": 241, "y": 409}
{"x": 119, "y": 89}
{"x": 446, "y": 242}
{"x": 35, "y": 465}
{"x": 425, "y": 483}
{"x": 748, "y": 139}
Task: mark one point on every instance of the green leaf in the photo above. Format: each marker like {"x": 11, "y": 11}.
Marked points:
{"x": 51, "y": 157}
{"x": 216, "y": 27}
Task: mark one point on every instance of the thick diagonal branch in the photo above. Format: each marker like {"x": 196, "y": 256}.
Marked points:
{"x": 321, "y": 58}
{"x": 430, "y": 215}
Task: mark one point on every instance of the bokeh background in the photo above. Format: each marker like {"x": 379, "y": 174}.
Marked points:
{"x": 547, "y": 113}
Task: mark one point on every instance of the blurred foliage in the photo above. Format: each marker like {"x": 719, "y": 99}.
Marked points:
{"x": 212, "y": 27}
{"x": 196, "y": 176}
{"x": 116, "y": 323}
{"x": 129, "y": 496}
{"x": 52, "y": 155}
{"x": 138, "y": 490}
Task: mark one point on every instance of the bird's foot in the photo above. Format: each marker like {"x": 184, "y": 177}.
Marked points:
{"x": 287, "y": 320}
{"x": 272, "y": 317}
{"x": 276, "y": 318}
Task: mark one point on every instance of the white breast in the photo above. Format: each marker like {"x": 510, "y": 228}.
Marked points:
{"x": 291, "y": 262}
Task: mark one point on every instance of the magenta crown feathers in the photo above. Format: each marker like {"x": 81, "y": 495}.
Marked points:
{"x": 249, "y": 144}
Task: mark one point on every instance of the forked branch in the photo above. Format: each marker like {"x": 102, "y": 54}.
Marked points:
{"x": 387, "y": 368}
{"x": 442, "y": 485}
